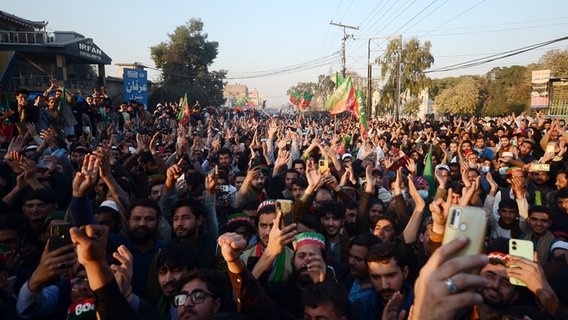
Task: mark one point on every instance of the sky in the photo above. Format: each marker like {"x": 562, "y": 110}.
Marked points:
{"x": 273, "y": 45}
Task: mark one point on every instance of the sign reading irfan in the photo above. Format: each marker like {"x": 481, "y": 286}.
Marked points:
{"x": 136, "y": 85}
{"x": 90, "y": 50}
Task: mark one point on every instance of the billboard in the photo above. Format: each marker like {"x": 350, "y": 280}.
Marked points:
{"x": 540, "y": 91}
{"x": 136, "y": 86}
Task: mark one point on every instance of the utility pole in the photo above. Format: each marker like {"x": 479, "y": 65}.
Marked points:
{"x": 345, "y": 37}
{"x": 370, "y": 71}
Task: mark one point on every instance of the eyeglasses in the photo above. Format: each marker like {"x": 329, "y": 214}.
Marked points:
{"x": 196, "y": 297}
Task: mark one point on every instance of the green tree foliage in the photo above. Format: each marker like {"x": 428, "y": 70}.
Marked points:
{"x": 185, "y": 59}
{"x": 323, "y": 88}
{"x": 557, "y": 62}
{"x": 506, "y": 90}
{"x": 459, "y": 98}
{"x": 415, "y": 59}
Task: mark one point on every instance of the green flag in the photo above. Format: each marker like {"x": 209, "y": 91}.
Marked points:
{"x": 63, "y": 102}
{"x": 338, "y": 80}
{"x": 429, "y": 173}
{"x": 361, "y": 111}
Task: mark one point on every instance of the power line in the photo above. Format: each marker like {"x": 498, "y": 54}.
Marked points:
{"x": 499, "y": 56}
{"x": 455, "y": 17}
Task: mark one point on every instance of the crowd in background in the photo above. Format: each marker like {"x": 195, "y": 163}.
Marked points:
{"x": 217, "y": 214}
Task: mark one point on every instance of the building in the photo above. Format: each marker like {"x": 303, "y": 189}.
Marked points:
{"x": 30, "y": 57}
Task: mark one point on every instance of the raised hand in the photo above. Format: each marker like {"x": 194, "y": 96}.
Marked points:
{"x": 411, "y": 166}
{"x": 283, "y": 158}
{"x": 312, "y": 174}
{"x": 123, "y": 272}
{"x": 85, "y": 179}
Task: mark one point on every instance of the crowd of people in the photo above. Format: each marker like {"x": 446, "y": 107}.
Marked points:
{"x": 226, "y": 215}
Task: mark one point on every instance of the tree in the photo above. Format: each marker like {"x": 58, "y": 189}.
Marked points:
{"x": 185, "y": 61}
{"x": 557, "y": 62}
{"x": 415, "y": 58}
{"x": 323, "y": 88}
{"x": 461, "y": 98}
{"x": 506, "y": 90}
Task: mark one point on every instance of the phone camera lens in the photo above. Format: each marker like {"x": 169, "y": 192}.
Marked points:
{"x": 514, "y": 243}
{"x": 514, "y": 248}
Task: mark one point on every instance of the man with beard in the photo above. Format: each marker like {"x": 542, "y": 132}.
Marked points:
{"x": 388, "y": 269}
{"x": 270, "y": 259}
{"x": 309, "y": 269}
{"x": 224, "y": 158}
{"x": 499, "y": 294}
{"x": 188, "y": 216}
{"x": 350, "y": 223}
{"x": 143, "y": 219}
{"x": 540, "y": 194}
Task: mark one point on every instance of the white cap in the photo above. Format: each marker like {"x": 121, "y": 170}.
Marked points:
{"x": 346, "y": 155}
{"x": 559, "y": 245}
{"x": 108, "y": 204}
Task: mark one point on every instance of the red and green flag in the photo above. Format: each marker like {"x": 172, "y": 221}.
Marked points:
{"x": 342, "y": 98}
{"x": 184, "y": 112}
{"x": 306, "y": 100}
{"x": 295, "y": 98}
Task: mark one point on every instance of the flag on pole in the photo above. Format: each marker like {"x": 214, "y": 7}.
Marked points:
{"x": 295, "y": 98}
{"x": 341, "y": 98}
{"x": 362, "y": 116}
{"x": 338, "y": 80}
{"x": 63, "y": 102}
{"x": 306, "y": 100}
{"x": 184, "y": 112}
{"x": 352, "y": 108}
{"x": 429, "y": 173}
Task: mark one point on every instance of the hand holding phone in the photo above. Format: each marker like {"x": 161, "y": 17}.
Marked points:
{"x": 523, "y": 249}
{"x": 59, "y": 236}
{"x": 286, "y": 207}
{"x": 323, "y": 166}
{"x": 470, "y": 222}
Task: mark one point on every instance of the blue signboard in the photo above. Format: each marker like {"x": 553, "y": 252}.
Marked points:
{"x": 136, "y": 86}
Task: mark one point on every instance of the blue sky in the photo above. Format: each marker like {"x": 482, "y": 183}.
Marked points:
{"x": 267, "y": 36}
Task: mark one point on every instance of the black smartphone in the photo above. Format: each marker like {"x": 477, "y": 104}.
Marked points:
{"x": 59, "y": 235}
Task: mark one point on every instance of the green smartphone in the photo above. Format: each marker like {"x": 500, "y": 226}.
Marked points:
{"x": 523, "y": 249}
